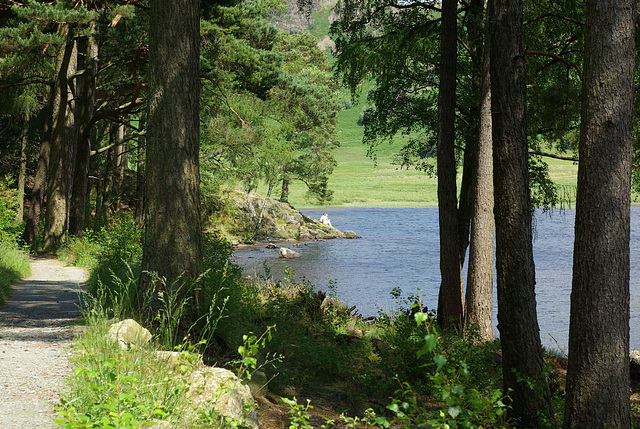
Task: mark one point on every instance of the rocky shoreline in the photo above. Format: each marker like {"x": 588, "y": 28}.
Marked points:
{"x": 266, "y": 220}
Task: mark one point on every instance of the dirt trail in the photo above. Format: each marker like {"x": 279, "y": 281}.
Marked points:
{"x": 35, "y": 339}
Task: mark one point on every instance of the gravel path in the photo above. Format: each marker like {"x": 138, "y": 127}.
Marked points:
{"x": 35, "y": 339}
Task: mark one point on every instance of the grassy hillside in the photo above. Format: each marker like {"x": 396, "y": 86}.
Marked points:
{"x": 359, "y": 181}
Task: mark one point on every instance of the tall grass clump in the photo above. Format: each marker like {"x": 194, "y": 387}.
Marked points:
{"x": 188, "y": 308}
{"x": 139, "y": 386}
{"x": 14, "y": 265}
{"x": 127, "y": 388}
{"x": 119, "y": 255}
{"x": 113, "y": 257}
{"x": 111, "y": 254}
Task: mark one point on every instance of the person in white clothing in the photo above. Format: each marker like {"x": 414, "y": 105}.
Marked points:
{"x": 325, "y": 219}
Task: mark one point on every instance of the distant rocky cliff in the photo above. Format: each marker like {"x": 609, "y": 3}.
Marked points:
{"x": 295, "y": 21}
{"x": 266, "y": 219}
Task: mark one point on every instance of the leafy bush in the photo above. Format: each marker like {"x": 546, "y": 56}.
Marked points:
{"x": 309, "y": 341}
{"x": 459, "y": 403}
{"x": 9, "y": 228}
{"x": 14, "y": 265}
{"x": 118, "y": 256}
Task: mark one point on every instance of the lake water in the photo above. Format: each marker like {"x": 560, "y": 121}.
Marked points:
{"x": 399, "y": 249}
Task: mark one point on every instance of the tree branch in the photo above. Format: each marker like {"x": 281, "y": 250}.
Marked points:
{"x": 30, "y": 82}
{"x": 554, "y": 15}
{"x": 557, "y": 58}
{"x": 552, "y": 155}
{"x": 226, "y": 100}
{"x": 119, "y": 142}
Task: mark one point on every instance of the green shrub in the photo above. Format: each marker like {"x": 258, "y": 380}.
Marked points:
{"x": 457, "y": 402}
{"x": 10, "y": 229}
{"x": 14, "y": 265}
{"x": 81, "y": 252}
{"x": 315, "y": 344}
{"x": 118, "y": 258}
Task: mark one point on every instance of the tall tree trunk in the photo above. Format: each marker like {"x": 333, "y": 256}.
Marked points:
{"x": 465, "y": 204}
{"x": 522, "y": 360}
{"x": 98, "y": 167}
{"x": 139, "y": 212}
{"x": 63, "y": 142}
{"x": 450, "y": 302}
{"x": 598, "y": 372}
{"x": 474, "y": 27}
{"x": 38, "y": 192}
{"x": 119, "y": 159}
{"x": 22, "y": 176}
{"x": 284, "y": 195}
{"x": 479, "y": 297}
{"x": 173, "y": 227}
{"x": 88, "y": 64}
{"x": 107, "y": 179}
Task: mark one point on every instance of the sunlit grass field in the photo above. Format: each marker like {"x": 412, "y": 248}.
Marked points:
{"x": 359, "y": 181}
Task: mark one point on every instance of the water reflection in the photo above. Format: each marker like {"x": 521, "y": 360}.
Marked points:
{"x": 399, "y": 248}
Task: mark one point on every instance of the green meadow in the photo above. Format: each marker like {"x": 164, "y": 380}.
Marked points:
{"x": 360, "y": 181}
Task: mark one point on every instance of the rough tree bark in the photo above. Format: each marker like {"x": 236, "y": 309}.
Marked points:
{"x": 450, "y": 300}
{"x": 62, "y": 151}
{"x": 522, "y": 359}
{"x": 140, "y": 175}
{"x": 38, "y": 191}
{"x": 22, "y": 176}
{"x": 598, "y": 372}
{"x": 88, "y": 65}
{"x": 479, "y": 295}
{"x": 172, "y": 228}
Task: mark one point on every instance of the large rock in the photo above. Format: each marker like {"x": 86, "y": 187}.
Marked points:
{"x": 280, "y": 221}
{"x": 288, "y": 253}
{"x": 220, "y": 389}
{"x": 129, "y": 334}
{"x": 331, "y": 304}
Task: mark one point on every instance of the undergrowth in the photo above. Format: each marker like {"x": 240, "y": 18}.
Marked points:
{"x": 14, "y": 265}
{"x": 136, "y": 387}
{"x": 397, "y": 370}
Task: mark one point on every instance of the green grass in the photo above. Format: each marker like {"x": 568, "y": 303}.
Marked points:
{"x": 359, "y": 181}
{"x": 14, "y": 265}
{"x": 112, "y": 387}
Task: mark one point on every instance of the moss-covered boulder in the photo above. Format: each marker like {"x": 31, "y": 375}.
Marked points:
{"x": 266, "y": 219}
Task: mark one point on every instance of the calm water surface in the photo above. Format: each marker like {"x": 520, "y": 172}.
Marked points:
{"x": 399, "y": 249}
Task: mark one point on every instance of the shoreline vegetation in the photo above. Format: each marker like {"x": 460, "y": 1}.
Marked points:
{"x": 317, "y": 363}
